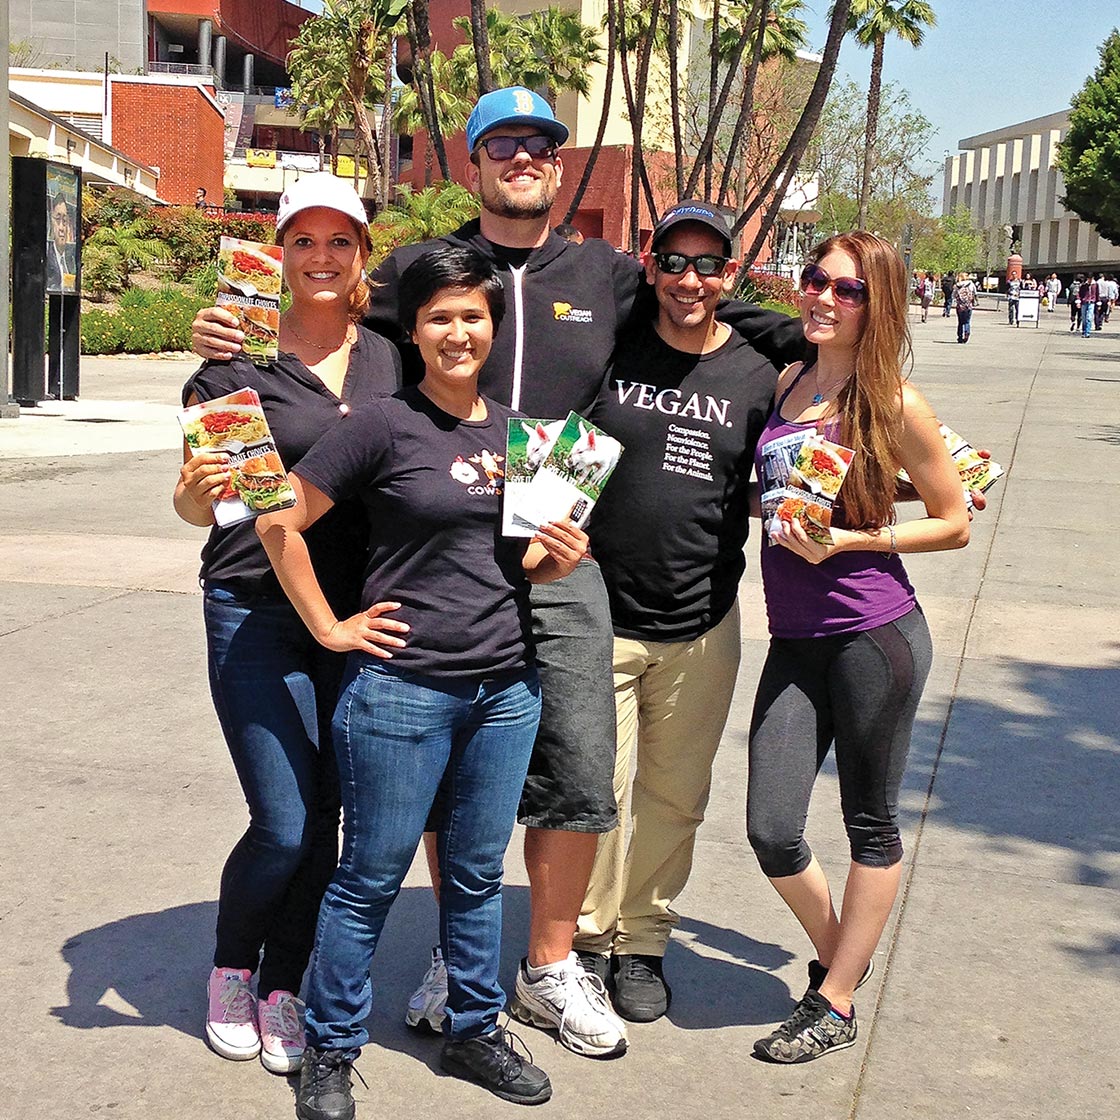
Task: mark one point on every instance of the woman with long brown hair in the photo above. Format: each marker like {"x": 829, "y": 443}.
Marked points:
{"x": 850, "y": 649}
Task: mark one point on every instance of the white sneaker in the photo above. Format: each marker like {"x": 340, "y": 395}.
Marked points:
{"x": 427, "y": 1006}
{"x": 231, "y": 1015}
{"x": 281, "y": 1027}
{"x": 574, "y": 1003}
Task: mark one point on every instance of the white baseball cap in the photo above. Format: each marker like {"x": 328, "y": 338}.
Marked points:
{"x": 322, "y": 189}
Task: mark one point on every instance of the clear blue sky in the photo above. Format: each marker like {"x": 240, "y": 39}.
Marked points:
{"x": 987, "y": 63}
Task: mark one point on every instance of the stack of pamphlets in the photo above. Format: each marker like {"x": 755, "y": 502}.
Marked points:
{"x": 976, "y": 473}
{"x": 803, "y": 474}
{"x": 250, "y": 276}
{"x": 236, "y": 425}
{"x": 554, "y": 469}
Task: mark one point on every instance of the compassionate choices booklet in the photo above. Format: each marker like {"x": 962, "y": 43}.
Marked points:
{"x": 554, "y": 469}
{"x": 236, "y": 425}
{"x": 250, "y": 276}
{"x": 802, "y": 475}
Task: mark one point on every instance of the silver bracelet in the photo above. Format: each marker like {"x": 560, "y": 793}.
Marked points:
{"x": 894, "y": 539}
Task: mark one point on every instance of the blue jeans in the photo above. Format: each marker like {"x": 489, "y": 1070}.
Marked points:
{"x": 1088, "y": 311}
{"x": 274, "y": 689}
{"x": 403, "y": 740}
{"x": 964, "y": 323}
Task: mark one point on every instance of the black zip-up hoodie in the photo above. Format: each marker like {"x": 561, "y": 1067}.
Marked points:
{"x": 565, "y": 308}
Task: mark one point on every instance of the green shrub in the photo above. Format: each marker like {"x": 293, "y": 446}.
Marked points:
{"x": 765, "y": 287}
{"x": 104, "y": 270}
{"x": 114, "y": 207}
{"x": 249, "y": 227}
{"x": 146, "y": 322}
{"x": 102, "y": 332}
{"x": 191, "y": 238}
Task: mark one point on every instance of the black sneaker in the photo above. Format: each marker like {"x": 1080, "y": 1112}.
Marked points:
{"x": 813, "y": 1030}
{"x": 640, "y": 992}
{"x": 595, "y": 964}
{"x": 817, "y": 973}
{"x": 324, "y": 1086}
{"x": 489, "y": 1061}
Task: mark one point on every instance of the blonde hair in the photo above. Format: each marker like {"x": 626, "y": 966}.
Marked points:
{"x": 869, "y": 405}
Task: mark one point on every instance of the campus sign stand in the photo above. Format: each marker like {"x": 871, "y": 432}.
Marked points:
{"x": 46, "y": 280}
{"x": 1028, "y": 306}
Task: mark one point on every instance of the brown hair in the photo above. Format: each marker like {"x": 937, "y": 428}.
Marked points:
{"x": 360, "y": 296}
{"x": 869, "y": 405}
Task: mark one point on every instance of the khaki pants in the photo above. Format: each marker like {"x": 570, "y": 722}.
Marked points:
{"x": 671, "y": 704}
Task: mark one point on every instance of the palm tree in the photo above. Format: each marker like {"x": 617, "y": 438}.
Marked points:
{"x": 419, "y": 29}
{"x": 784, "y": 34}
{"x": 872, "y": 21}
{"x": 452, "y": 108}
{"x": 565, "y": 49}
{"x": 421, "y": 216}
{"x": 481, "y": 40}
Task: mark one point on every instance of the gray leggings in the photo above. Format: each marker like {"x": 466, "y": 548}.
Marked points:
{"x": 858, "y": 690}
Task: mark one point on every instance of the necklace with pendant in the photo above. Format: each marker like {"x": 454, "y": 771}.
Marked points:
{"x": 350, "y": 336}
{"x": 820, "y": 396}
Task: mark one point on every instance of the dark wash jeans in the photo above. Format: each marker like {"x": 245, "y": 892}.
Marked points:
{"x": 274, "y": 689}
{"x": 402, "y": 740}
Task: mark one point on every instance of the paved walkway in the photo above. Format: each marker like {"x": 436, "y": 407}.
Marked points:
{"x": 997, "y": 982}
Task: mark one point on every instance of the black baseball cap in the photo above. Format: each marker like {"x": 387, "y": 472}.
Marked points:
{"x": 693, "y": 210}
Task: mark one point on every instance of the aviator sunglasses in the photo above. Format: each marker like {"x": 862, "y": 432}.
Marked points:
{"x": 707, "y": 264}
{"x": 537, "y": 146}
{"x": 848, "y": 290}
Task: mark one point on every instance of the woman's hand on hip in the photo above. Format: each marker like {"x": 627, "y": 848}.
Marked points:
{"x": 369, "y": 631}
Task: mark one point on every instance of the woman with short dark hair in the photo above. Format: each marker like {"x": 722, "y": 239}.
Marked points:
{"x": 440, "y": 725}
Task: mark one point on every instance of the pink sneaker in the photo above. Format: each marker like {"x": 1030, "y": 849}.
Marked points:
{"x": 231, "y": 1017}
{"x": 281, "y": 1023}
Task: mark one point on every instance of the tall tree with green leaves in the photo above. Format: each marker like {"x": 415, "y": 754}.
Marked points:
{"x": 348, "y": 47}
{"x": 873, "y": 22}
{"x": 1089, "y": 154}
{"x": 418, "y": 24}
{"x": 452, "y": 107}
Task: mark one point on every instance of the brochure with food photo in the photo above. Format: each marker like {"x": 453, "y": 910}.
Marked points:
{"x": 250, "y": 276}
{"x": 802, "y": 475}
{"x": 559, "y": 470}
{"x": 236, "y": 425}
{"x": 976, "y": 472}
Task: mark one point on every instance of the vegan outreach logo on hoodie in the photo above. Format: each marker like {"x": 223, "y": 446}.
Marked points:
{"x": 462, "y": 471}
{"x": 566, "y": 313}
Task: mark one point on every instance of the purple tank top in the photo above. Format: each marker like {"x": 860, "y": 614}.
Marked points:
{"x": 848, "y": 592}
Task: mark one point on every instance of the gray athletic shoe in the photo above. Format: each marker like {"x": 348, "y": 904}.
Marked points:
{"x": 573, "y": 1003}
{"x": 812, "y": 1031}
{"x": 427, "y": 1006}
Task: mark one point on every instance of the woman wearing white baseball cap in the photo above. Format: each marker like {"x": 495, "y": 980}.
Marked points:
{"x": 273, "y": 685}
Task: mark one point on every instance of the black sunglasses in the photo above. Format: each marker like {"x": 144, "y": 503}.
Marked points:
{"x": 537, "y": 146}
{"x": 848, "y": 290}
{"x": 707, "y": 264}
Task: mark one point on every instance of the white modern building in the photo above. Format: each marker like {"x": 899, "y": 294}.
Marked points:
{"x": 1010, "y": 178}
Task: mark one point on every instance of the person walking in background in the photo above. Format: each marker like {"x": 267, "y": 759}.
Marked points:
{"x": 1013, "y": 287}
{"x": 1053, "y": 290}
{"x": 1113, "y": 295}
{"x": 1102, "y": 301}
{"x": 1087, "y": 293}
{"x": 850, "y": 649}
{"x": 948, "y": 283}
{"x": 274, "y": 687}
{"x": 925, "y": 293}
{"x": 964, "y": 293}
{"x": 1074, "y": 299}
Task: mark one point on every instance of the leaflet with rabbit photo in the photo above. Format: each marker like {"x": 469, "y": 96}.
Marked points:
{"x": 554, "y": 469}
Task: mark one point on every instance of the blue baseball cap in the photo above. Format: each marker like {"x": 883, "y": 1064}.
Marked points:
{"x": 515, "y": 105}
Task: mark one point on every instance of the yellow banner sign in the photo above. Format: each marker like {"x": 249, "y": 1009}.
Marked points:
{"x": 260, "y": 157}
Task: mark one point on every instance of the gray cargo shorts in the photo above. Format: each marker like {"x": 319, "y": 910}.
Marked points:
{"x": 570, "y": 786}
